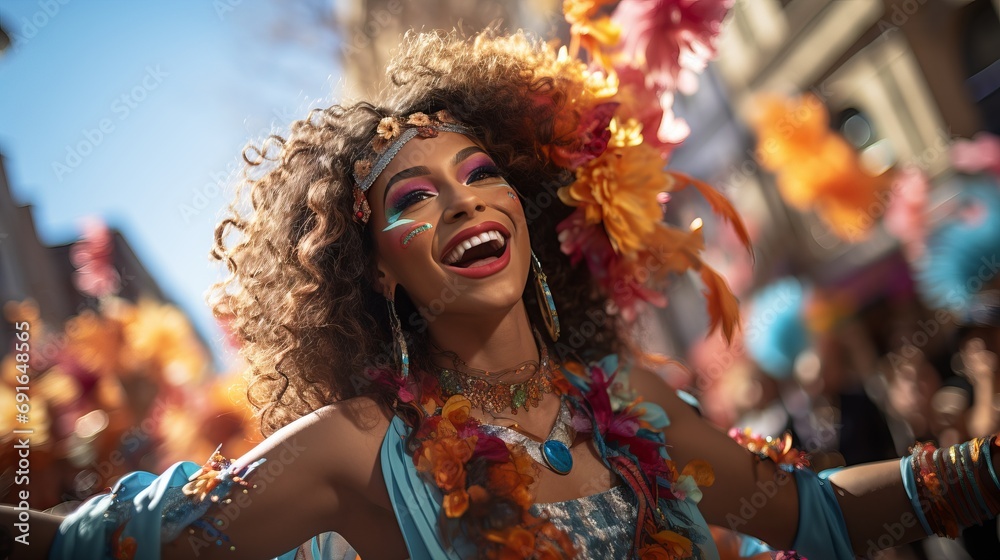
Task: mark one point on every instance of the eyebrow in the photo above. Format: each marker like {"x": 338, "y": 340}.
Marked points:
{"x": 464, "y": 154}
{"x": 461, "y": 156}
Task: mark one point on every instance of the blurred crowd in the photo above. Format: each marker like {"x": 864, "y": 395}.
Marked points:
{"x": 859, "y": 370}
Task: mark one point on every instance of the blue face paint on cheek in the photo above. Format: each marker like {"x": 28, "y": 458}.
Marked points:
{"x": 395, "y": 221}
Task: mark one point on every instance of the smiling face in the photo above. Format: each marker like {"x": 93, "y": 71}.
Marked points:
{"x": 449, "y": 228}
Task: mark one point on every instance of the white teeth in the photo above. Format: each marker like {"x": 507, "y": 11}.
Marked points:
{"x": 486, "y": 237}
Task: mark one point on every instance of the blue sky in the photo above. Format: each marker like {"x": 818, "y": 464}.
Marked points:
{"x": 136, "y": 112}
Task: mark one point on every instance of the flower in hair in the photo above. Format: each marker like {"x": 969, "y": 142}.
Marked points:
{"x": 419, "y": 119}
{"x": 445, "y": 117}
{"x": 388, "y": 128}
{"x": 591, "y": 29}
{"x": 362, "y": 168}
{"x": 590, "y": 139}
{"x": 672, "y": 39}
{"x": 615, "y": 189}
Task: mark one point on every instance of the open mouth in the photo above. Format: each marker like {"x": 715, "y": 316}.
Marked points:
{"x": 478, "y": 250}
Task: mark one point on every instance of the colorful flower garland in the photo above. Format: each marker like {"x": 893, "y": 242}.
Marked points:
{"x": 486, "y": 484}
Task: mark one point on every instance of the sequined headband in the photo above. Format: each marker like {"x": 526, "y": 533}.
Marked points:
{"x": 391, "y": 135}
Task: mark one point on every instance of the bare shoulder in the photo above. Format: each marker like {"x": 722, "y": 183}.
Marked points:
{"x": 653, "y": 388}
{"x": 338, "y": 443}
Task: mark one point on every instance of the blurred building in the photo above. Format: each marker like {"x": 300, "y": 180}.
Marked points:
{"x": 370, "y": 30}
{"x": 900, "y": 78}
{"x": 31, "y": 270}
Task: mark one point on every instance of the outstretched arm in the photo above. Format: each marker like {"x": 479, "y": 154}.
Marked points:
{"x": 758, "y": 498}
{"x": 302, "y": 489}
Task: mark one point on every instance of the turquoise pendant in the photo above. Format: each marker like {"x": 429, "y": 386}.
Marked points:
{"x": 557, "y": 456}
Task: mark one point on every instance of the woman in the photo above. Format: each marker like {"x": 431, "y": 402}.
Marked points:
{"x": 436, "y": 378}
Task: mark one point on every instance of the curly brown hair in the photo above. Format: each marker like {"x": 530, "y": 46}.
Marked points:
{"x": 299, "y": 295}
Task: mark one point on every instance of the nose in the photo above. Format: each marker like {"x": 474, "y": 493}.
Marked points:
{"x": 465, "y": 202}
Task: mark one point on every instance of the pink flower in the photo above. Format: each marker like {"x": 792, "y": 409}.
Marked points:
{"x": 629, "y": 295}
{"x": 590, "y": 138}
{"x": 660, "y": 128}
{"x": 671, "y": 39}
{"x": 906, "y": 216}
{"x": 979, "y": 155}
{"x": 581, "y": 241}
{"x": 491, "y": 449}
{"x": 93, "y": 257}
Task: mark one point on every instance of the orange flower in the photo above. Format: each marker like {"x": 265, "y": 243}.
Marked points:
{"x": 388, "y": 128}
{"x": 700, "y": 471}
{"x": 445, "y": 458}
{"x": 519, "y": 543}
{"x": 595, "y": 35}
{"x": 456, "y": 502}
{"x": 619, "y": 189}
{"x": 669, "y": 546}
{"x": 557, "y": 537}
{"x": 478, "y": 494}
{"x": 503, "y": 479}
{"x": 456, "y": 410}
{"x": 448, "y": 457}
{"x": 523, "y": 496}
{"x": 419, "y": 119}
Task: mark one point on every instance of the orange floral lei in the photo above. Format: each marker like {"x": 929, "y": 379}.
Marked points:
{"x": 486, "y": 484}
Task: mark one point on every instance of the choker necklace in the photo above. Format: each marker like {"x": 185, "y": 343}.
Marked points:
{"x": 494, "y": 396}
{"x": 554, "y": 451}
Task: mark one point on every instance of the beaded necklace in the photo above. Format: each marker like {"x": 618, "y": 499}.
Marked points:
{"x": 498, "y": 396}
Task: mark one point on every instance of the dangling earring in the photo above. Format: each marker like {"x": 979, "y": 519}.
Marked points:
{"x": 545, "y": 301}
{"x": 397, "y": 333}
